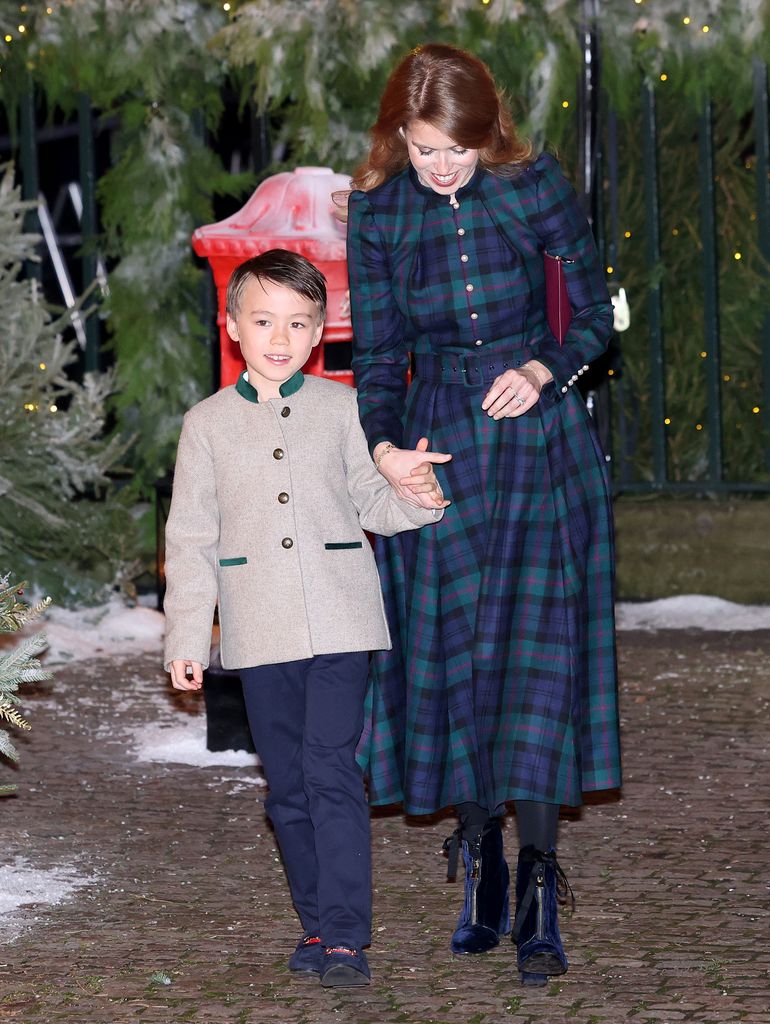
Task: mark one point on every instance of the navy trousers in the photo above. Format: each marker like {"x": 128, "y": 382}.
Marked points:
{"x": 306, "y": 718}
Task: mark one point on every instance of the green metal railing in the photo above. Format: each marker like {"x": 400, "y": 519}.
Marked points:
{"x": 712, "y": 478}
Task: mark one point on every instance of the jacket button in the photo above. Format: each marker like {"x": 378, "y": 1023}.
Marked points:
{"x": 286, "y": 411}
{"x": 278, "y": 453}
{"x": 287, "y": 542}
{"x": 283, "y": 497}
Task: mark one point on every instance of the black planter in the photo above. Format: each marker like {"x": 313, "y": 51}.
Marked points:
{"x": 227, "y": 727}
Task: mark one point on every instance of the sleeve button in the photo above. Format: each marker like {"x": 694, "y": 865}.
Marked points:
{"x": 278, "y": 453}
{"x": 287, "y": 543}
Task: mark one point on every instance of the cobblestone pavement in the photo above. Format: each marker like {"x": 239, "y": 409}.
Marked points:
{"x": 187, "y": 917}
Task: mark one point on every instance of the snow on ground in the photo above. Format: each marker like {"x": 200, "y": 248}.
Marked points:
{"x": 22, "y": 886}
{"x": 103, "y": 631}
{"x": 693, "y": 611}
{"x": 185, "y": 743}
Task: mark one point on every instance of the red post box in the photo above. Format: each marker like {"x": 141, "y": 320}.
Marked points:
{"x": 292, "y": 210}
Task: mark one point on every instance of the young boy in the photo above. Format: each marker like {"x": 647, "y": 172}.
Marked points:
{"x": 273, "y": 489}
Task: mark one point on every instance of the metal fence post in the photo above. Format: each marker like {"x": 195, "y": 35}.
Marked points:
{"x": 655, "y": 296}
{"x": 88, "y": 224}
{"x": 706, "y": 174}
{"x": 30, "y": 184}
{"x": 762, "y": 142}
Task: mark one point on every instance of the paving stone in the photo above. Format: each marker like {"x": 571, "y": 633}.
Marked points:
{"x": 671, "y": 877}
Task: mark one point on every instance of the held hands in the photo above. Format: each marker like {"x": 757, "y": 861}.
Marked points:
{"x": 410, "y": 473}
{"x": 515, "y": 392}
{"x": 182, "y": 681}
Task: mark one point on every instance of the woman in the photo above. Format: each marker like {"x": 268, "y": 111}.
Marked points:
{"x": 501, "y": 682}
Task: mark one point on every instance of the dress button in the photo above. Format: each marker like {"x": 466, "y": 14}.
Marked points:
{"x": 278, "y": 453}
{"x": 474, "y": 316}
{"x": 286, "y": 411}
{"x": 287, "y": 543}
{"x": 461, "y": 231}
{"x": 479, "y": 341}
{"x": 564, "y": 391}
{"x": 455, "y": 205}
{"x": 464, "y": 257}
{"x": 283, "y": 497}
{"x": 469, "y": 287}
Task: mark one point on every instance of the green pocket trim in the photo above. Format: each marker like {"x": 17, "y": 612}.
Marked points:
{"x": 343, "y": 547}
{"x": 233, "y": 561}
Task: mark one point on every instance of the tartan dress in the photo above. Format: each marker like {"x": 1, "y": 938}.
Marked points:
{"x": 501, "y": 683}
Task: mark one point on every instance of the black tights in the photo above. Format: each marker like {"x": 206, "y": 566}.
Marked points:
{"x": 536, "y": 821}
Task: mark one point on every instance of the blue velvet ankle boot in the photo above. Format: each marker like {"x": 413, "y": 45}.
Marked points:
{"x": 540, "y": 886}
{"x": 485, "y": 915}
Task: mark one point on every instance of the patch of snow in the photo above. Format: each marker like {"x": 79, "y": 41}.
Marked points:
{"x": 185, "y": 743}
{"x": 22, "y": 886}
{"x": 692, "y": 611}
{"x": 100, "y": 632}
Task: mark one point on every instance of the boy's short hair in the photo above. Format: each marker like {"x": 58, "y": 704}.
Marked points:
{"x": 283, "y": 268}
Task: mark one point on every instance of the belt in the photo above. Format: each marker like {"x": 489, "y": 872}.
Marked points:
{"x": 471, "y": 369}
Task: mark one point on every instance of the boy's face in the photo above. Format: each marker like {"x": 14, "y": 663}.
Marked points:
{"x": 277, "y": 329}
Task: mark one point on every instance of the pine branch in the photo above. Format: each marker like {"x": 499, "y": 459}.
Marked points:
{"x": 10, "y": 714}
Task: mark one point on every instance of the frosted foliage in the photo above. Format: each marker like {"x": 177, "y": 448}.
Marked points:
{"x": 540, "y": 86}
{"x": 138, "y": 24}
{"x": 663, "y": 23}
{"x": 362, "y": 35}
{"x": 341, "y": 146}
{"x": 53, "y": 447}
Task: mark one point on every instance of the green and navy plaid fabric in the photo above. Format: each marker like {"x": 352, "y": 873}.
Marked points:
{"x": 501, "y": 683}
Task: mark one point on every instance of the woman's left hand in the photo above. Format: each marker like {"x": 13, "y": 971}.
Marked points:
{"x": 514, "y": 392}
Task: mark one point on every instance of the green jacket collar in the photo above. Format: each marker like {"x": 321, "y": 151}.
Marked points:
{"x": 249, "y": 392}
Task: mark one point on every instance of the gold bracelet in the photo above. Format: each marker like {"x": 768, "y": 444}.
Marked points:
{"x": 388, "y": 448}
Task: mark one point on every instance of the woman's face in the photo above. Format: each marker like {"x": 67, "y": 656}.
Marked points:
{"x": 440, "y": 162}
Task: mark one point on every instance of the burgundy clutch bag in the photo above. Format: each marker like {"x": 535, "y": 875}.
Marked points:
{"x": 557, "y": 308}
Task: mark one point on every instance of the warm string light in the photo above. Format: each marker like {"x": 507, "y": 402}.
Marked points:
{"x": 565, "y": 103}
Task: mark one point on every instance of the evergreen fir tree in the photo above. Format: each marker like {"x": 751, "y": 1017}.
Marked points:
{"x": 17, "y": 666}
{"x": 61, "y": 522}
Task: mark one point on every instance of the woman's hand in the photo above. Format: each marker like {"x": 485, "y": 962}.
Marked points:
{"x": 410, "y": 473}
{"x": 515, "y": 392}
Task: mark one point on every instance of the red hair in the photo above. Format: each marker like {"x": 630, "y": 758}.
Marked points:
{"x": 453, "y": 91}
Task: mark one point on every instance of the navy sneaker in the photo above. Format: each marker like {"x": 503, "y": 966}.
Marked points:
{"x": 344, "y": 968}
{"x": 307, "y": 958}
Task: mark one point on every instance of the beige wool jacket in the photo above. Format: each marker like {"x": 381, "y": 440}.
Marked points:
{"x": 268, "y": 509}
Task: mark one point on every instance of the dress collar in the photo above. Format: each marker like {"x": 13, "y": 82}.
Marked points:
{"x": 468, "y": 189}
{"x": 249, "y": 392}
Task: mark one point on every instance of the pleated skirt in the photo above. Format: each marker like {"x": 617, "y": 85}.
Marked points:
{"x": 501, "y": 683}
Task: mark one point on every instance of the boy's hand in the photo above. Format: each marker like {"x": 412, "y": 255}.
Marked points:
{"x": 410, "y": 473}
{"x": 186, "y": 675}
